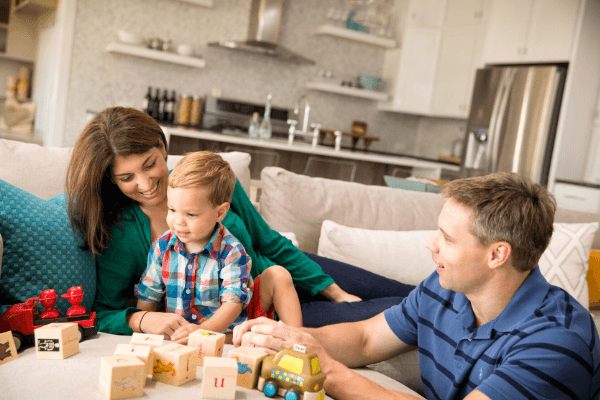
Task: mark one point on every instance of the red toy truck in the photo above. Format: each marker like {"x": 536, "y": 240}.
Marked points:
{"x": 23, "y": 318}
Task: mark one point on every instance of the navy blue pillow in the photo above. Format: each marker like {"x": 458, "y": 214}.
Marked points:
{"x": 40, "y": 250}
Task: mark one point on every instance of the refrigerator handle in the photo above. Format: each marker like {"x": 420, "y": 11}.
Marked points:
{"x": 498, "y": 117}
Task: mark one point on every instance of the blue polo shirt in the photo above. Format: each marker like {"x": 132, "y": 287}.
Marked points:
{"x": 544, "y": 344}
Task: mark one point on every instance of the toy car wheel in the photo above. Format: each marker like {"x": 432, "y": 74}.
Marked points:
{"x": 271, "y": 388}
{"x": 18, "y": 338}
{"x": 293, "y": 394}
{"x": 80, "y": 333}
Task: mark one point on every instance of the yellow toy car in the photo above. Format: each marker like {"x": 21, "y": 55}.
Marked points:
{"x": 293, "y": 374}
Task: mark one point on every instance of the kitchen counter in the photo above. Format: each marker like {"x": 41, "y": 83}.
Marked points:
{"x": 420, "y": 167}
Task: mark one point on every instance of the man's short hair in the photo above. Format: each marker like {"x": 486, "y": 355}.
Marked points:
{"x": 205, "y": 169}
{"x": 508, "y": 207}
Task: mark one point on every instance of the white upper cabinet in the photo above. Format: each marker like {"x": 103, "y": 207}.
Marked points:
{"x": 433, "y": 72}
{"x": 530, "y": 31}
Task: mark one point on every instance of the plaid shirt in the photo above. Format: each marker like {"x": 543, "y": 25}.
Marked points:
{"x": 195, "y": 285}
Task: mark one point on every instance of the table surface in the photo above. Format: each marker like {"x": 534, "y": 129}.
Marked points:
{"x": 78, "y": 376}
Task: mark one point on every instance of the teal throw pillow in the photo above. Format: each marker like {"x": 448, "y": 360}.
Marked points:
{"x": 40, "y": 250}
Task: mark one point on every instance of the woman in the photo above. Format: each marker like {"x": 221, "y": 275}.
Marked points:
{"x": 116, "y": 188}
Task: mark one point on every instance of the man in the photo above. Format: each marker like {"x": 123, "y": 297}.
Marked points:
{"x": 486, "y": 322}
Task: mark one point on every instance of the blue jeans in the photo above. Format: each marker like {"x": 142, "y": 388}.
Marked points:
{"x": 378, "y": 294}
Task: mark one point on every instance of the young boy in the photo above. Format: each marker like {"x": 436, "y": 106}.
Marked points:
{"x": 199, "y": 268}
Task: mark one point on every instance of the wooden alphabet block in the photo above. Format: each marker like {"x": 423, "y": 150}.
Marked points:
{"x": 209, "y": 344}
{"x": 147, "y": 339}
{"x": 57, "y": 341}
{"x": 144, "y": 353}
{"x": 249, "y": 361}
{"x": 245, "y": 342}
{"x": 219, "y": 378}
{"x": 122, "y": 376}
{"x": 8, "y": 350}
{"x": 175, "y": 364}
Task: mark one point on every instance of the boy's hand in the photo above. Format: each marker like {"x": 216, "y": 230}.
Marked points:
{"x": 181, "y": 335}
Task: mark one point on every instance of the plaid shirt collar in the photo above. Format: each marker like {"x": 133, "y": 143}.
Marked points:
{"x": 212, "y": 246}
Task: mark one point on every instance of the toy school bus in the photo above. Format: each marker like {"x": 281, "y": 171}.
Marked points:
{"x": 294, "y": 374}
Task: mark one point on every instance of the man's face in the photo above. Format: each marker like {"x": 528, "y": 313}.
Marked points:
{"x": 462, "y": 260}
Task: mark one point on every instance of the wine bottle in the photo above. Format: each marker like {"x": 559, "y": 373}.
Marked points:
{"x": 265, "y": 126}
{"x": 156, "y": 105}
{"x": 148, "y": 101}
{"x": 170, "y": 109}
{"x": 163, "y": 106}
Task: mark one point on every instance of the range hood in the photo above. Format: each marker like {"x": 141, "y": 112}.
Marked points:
{"x": 263, "y": 33}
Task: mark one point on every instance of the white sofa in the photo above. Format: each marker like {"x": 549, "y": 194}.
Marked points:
{"x": 366, "y": 226}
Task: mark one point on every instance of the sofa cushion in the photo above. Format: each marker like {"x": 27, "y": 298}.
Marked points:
{"x": 399, "y": 255}
{"x": 21, "y": 163}
{"x": 38, "y": 170}
{"x": 403, "y": 256}
{"x": 296, "y": 203}
{"x": 40, "y": 250}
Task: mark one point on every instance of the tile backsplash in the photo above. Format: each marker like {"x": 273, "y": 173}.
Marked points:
{"x": 99, "y": 79}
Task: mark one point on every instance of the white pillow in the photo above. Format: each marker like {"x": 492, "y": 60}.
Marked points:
{"x": 565, "y": 261}
{"x": 239, "y": 161}
{"x": 38, "y": 170}
{"x": 399, "y": 255}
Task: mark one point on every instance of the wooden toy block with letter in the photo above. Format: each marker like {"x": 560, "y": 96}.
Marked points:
{"x": 144, "y": 353}
{"x": 122, "y": 376}
{"x": 57, "y": 340}
{"x": 249, "y": 362}
{"x": 209, "y": 344}
{"x": 147, "y": 339}
{"x": 8, "y": 350}
{"x": 219, "y": 378}
{"x": 175, "y": 364}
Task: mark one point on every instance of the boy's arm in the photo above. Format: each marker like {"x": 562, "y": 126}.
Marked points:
{"x": 218, "y": 322}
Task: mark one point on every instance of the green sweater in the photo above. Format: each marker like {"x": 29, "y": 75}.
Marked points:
{"x": 121, "y": 265}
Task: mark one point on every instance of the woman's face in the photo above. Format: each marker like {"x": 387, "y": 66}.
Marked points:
{"x": 143, "y": 177}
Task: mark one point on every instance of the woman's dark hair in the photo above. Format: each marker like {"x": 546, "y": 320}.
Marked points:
{"x": 94, "y": 201}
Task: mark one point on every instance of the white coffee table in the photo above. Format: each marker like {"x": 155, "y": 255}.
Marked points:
{"x": 77, "y": 377}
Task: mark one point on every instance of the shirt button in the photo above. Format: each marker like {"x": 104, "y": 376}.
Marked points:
{"x": 188, "y": 292}
{"x": 194, "y": 316}
{"x": 190, "y": 266}
{"x": 470, "y": 340}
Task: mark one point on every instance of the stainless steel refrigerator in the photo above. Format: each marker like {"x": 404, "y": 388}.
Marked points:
{"x": 512, "y": 122}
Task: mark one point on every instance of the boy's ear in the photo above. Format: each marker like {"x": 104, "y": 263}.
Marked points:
{"x": 222, "y": 211}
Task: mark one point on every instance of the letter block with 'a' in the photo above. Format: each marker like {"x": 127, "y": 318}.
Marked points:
{"x": 122, "y": 376}
{"x": 175, "y": 364}
{"x": 249, "y": 362}
{"x": 219, "y": 378}
{"x": 57, "y": 341}
{"x": 209, "y": 344}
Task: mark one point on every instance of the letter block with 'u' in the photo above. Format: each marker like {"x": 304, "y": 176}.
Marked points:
{"x": 219, "y": 379}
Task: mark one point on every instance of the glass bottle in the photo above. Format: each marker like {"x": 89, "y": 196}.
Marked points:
{"x": 171, "y": 108}
{"x": 162, "y": 107}
{"x": 156, "y": 105}
{"x": 254, "y": 128}
{"x": 265, "y": 126}
{"x": 148, "y": 101}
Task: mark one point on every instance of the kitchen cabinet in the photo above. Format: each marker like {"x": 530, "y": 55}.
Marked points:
{"x": 33, "y": 7}
{"x": 18, "y": 32}
{"x": 530, "y": 31}
{"x": 433, "y": 73}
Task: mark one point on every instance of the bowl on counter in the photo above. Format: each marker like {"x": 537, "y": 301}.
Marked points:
{"x": 369, "y": 82}
{"x": 129, "y": 38}
{"x": 185, "y": 50}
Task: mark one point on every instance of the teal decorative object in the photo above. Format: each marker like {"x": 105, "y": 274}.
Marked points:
{"x": 369, "y": 82}
{"x": 355, "y": 26}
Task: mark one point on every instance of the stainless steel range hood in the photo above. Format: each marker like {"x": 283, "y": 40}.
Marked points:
{"x": 263, "y": 33}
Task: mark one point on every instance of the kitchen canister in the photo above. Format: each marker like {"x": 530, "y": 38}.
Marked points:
{"x": 196, "y": 113}
{"x": 185, "y": 105}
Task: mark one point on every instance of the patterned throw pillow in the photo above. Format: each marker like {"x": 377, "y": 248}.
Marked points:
{"x": 40, "y": 250}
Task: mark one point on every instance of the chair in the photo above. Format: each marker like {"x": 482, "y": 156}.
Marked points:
{"x": 330, "y": 168}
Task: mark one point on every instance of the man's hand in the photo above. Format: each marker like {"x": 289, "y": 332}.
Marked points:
{"x": 338, "y": 295}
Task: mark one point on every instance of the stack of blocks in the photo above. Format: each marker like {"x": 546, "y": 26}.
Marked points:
{"x": 209, "y": 344}
{"x": 249, "y": 361}
{"x": 175, "y": 364}
{"x": 57, "y": 341}
{"x": 219, "y": 378}
{"x": 8, "y": 350}
{"x": 122, "y": 376}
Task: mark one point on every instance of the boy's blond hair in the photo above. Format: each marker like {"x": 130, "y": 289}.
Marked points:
{"x": 205, "y": 169}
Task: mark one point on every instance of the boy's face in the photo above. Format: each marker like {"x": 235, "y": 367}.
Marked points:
{"x": 192, "y": 217}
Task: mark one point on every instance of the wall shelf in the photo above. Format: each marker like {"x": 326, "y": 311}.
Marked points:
{"x": 347, "y": 91}
{"x": 158, "y": 55}
{"x": 204, "y": 3}
{"x": 34, "y": 7}
{"x": 355, "y": 35}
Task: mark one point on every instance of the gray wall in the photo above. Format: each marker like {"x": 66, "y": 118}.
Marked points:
{"x": 100, "y": 79}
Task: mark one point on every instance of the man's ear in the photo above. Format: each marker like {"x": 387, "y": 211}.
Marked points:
{"x": 222, "y": 211}
{"x": 500, "y": 253}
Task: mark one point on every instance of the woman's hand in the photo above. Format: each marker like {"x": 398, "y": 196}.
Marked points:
{"x": 338, "y": 295}
{"x": 158, "y": 323}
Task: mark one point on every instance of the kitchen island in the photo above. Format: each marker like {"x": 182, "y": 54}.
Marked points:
{"x": 371, "y": 165}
